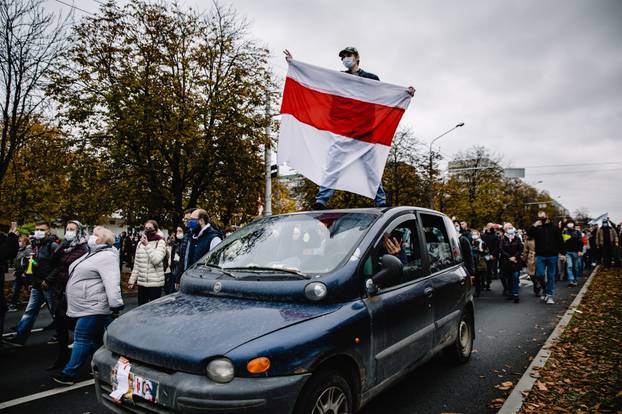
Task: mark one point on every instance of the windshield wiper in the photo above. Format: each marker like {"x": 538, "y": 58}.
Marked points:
{"x": 220, "y": 269}
{"x": 272, "y": 269}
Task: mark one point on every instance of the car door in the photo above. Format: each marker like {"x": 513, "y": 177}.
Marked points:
{"x": 448, "y": 276}
{"x": 400, "y": 313}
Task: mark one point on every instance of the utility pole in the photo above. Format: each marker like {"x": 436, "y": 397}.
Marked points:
{"x": 430, "y": 167}
{"x": 267, "y": 211}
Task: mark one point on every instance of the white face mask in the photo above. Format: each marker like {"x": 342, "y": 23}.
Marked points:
{"x": 39, "y": 234}
{"x": 70, "y": 235}
{"x": 180, "y": 236}
{"x": 348, "y": 62}
{"x": 92, "y": 242}
{"x": 571, "y": 225}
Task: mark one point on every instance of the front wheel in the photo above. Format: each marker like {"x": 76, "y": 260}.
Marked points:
{"x": 326, "y": 392}
{"x": 460, "y": 350}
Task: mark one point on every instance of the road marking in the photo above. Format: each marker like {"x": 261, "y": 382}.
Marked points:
{"x": 44, "y": 394}
{"x": 31, "y": 331}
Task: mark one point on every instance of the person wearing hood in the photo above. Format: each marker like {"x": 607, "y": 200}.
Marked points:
{"x": 511, "y": 250}
{"x": 204, "y": 237}
{"x": 607, "y": 240}
{"x": 148, "y": 270}
{"x": 43, "y": 275}
{"x": 74, "y": 246}
{"x": 93, "y": 294}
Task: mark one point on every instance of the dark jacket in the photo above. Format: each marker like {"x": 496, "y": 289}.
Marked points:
{"x": 62, "y": 261}
{"x": 8, "y": 249}
{"x": 182, "y": 249}
{"x": 510, "y": 248}
{"x": 573, "y": 241}
{"x": 199, "y": 245}
{"x": 548, "y": 239}
{"x": 491, "y": 241}
{"x": 364, "y": 74}
{"x": 44, "y": 268}
{"x": 467, "y": 255}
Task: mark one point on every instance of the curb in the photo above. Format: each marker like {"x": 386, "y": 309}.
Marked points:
{"x": 515, "y": 400}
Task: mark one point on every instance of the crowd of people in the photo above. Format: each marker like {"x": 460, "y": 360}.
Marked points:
{"x": 548, "y": 251}
{"x": 78, "y": 278}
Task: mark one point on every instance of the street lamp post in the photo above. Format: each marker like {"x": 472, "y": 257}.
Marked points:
{"x": 430, "y": 195}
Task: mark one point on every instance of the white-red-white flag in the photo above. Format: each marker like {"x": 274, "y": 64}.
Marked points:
{"x": 336, "y": 128}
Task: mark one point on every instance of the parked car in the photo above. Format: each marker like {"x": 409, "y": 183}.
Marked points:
{"x": 297, "y": 313}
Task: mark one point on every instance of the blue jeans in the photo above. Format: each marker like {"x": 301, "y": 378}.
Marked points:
{"x": 515, "y": 280}
{"x": 572, "y": 266}
{"x": 547, "y": 264}
{"x": 326, "y": 193}
{"x": 37, "y": 298}
{"x": 87, "y": 337}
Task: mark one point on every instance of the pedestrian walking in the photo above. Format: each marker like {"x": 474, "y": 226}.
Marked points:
{"x": 511, "y": 251}
{"x": 607, "y": 240}
{"x": 22, "y": 280}
{"x": 573, "y": 249}
{"x": 73, "y": 247}
{"x": 491, "y": 253}
{"x": 43, "y": 273}
{"x": 548, "y": 245}
{"x": 93, "y": 294}
{"x": 148, "y": 271}
{"x": 529, "y": 259}
{"x": 174, "y": 260}
{"x": 477, "y": 250}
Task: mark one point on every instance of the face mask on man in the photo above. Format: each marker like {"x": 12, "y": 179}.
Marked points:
{"x": 571, "y": 225}
{"x": 70, "y": 235}
{"x": 511, "y": 233}
{"x": 348, "y": 62}
{"x": 39, "y": 234}
{"x": 179, "y": 235}
{"x": 193, "y": 224}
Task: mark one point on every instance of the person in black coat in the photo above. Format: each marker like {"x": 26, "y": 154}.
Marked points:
{"x": 510, "y": 252}
{"x": 8, "y": 251}
{"x": 490, "y": 254}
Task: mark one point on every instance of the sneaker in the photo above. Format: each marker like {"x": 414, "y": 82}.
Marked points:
{"x": 550, "y": 301}
{"x": 572, "y": 284}
{"x": 70, "y": 346}
{"x": 53, "y": 340}
{"x": 64, "y": 379}
{"x": 516, "y": 299}
{"x": 12, "y": 308}
{"x": 543, "y": 298}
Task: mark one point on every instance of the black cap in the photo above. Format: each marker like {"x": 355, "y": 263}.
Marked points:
{"x": 349, "y": 49}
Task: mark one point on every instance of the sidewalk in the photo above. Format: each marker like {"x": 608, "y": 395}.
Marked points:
{"x": 584, "y": 370}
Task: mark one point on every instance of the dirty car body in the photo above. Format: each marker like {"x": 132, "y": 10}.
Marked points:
{"x": 317, "y": 296}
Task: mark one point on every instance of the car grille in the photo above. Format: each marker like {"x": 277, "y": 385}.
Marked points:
{"x": 139, "y": 406}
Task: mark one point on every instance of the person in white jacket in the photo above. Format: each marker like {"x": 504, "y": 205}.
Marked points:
{"x": 148, "y": 271}
{"x": 93, "y": 293}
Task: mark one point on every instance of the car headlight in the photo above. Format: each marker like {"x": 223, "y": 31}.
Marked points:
{"x": 220, "y": 370}
{"x": 315, "y": 291}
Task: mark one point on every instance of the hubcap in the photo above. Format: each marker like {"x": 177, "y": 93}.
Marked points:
{"x": 465, "y": 338}
{"x": 332, "y": 401}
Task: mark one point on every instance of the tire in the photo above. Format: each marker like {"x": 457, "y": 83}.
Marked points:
{"x": 460, "y": 350}
{"x": 327, "y": 392}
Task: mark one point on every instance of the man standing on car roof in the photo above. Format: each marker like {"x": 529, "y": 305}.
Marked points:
{"x": 351, "y": 59}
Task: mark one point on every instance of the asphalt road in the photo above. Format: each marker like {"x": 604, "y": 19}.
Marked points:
{"x": 508, "y": 336}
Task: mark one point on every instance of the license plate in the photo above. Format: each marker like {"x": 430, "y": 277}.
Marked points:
{"x": 126, "y": 384}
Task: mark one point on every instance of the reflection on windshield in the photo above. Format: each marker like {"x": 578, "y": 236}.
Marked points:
{"x": 306, "y": 243}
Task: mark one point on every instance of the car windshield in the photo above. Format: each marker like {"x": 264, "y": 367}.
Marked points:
{"x": 309, "y": 243}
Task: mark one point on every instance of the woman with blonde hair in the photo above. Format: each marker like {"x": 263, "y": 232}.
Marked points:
{"x": 93, "y": 293}
{"x": 148, "y": 271}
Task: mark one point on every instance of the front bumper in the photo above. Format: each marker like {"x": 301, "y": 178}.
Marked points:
{"x": 191, "y": 393}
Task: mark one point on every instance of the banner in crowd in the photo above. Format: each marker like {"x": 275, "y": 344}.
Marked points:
{"x": 336, "y": 128}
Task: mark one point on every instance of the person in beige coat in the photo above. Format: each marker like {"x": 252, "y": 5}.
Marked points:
{"x": 148, "y": 271}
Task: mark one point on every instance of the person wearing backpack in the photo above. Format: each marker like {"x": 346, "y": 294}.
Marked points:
{"x": 148, "y": 271}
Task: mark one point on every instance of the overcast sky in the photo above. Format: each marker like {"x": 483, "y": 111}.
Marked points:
{"x": 539, "y": 83}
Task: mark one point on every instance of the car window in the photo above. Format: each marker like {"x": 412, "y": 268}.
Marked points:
{"x": 437, "y": 242}
{"x": 405, "y": 236}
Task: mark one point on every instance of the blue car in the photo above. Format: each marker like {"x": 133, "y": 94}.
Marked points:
{"x": 312, "y": 312}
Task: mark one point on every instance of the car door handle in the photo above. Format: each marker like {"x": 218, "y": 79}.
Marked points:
{"x": 462, "y": 280}
{"x": 428, "y": 292}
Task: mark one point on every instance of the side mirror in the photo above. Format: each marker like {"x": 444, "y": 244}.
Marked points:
{"x": 392, "y": 269}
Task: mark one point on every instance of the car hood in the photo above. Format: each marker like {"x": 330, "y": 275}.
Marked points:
{"x": 181, "y": 332}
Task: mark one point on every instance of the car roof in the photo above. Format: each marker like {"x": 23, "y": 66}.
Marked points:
{"x": 370, "y": 210}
